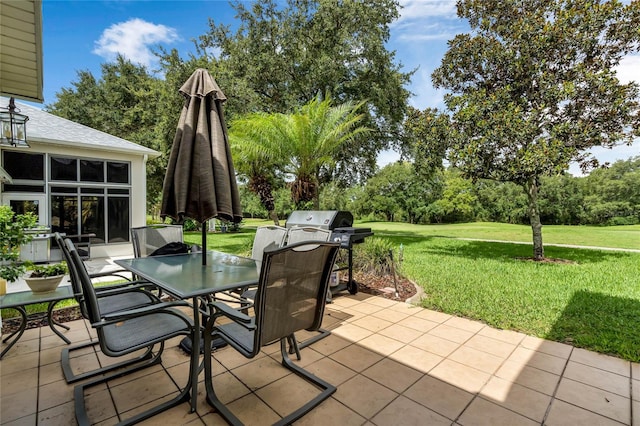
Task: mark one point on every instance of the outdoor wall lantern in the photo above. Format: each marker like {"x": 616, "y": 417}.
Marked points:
{"x": 13, "y": 126}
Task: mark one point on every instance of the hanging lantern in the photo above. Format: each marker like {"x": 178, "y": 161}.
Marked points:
{"x": 13, "y": 126}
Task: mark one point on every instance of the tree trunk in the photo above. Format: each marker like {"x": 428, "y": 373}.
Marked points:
{"x": 274, "y": 216}
{"x": 531, "y": 188}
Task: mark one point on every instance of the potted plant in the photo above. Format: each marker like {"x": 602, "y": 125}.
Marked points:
{"x": 12, "y": 236}
{"x": 45, "y": 278}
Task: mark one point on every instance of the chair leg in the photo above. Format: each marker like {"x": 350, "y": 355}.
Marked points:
{"x": 80, "y": 407}
{"x": 322, "y": 333}
{"x": 70, "y": 377}
{"x": 327, "y": 388}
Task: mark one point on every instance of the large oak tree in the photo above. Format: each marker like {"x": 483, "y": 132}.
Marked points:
{"x": 533, "y": 87}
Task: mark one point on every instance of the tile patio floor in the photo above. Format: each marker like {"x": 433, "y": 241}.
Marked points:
{"x": 393, "y": 364}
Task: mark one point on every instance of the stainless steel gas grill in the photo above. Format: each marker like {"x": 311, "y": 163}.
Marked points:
{"x": 340, "y": 224}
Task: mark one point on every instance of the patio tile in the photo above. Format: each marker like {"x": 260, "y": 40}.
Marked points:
{"x": 260, "y": 372}
{"x": 252, "y": 411}
{"x": 366, "y": 403}
{"x": 331, "y": 371}
{"x": 435, "y": 344}
{"x": 518, "y": 398}
{"x": 53, "y": 394}
{"x": 483, "y": 412}
{"x": 227, "y": 387}
{"x": 19, "y": 380}
{"x": 430, "y": 315}
{"x": 356, "y": 357}
{"x": 635, "y": 390}
{"x": 366, "y": 308}
{"x": 394, "y": 375}
{"x": 441, "y": 397}
{"x": 562, "y": 414}
{"x": 603, "y": 362}
{"x": 178, "y": 415}
{"x": 479, "y": 360}
{"x": 99, "y": 406}
{"x": 50, "y": 373}
{"x": 352, "y": 332}
{"x": 527, "y": 376}
{"x": 539, "y": 360}
{"x": 403, "y": 411}
{"x": 416, "y": 358}
{"x": 79, "y": 365}
{"x": 331, "y": 412}
{"x": 400, "y": 333}
{"x": 596, "y": 377}
{"x": 29, "y": 420}
{"x": 287, "y": 394}
{"x": 11, "y": 365}
{"x": 18, "y": 404}
{"x": 454, "y": 334}
{"x": 390, "y": 315}
{"x": 381, "y": 344}
{"x": 231, "y": 359}
{"x": 330, "y": 344}
{"x": 382, "y": 302}
{"x": 558, "y": 349}
{"x": 132, "y": 394}
{"x": 372, "y": 323}
{"x": 343, "y": 302}
{"x": 464, "y": 324}
{"x": 507, "y": 336}
{"x": 593, "y": 399}
{"x": 352, "y": 315}
{"x": 491, "y": 346}
{"x": 22, "y": 347}
{"x": 59, "y": 415}
{"x": 456, "y": 374}
{"x": 404, "y": 307}
{"x": 418, "y": 324}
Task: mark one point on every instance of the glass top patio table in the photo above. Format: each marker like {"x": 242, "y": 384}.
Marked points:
{"x": 184, "y": 276}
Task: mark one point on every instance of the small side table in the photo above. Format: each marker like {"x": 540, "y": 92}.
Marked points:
{"x": 22, "y": 299}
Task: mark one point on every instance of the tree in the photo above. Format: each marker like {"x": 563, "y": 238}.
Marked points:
{"x": 302, "y": 145}
{"x": 533, "y": 87}
{"x": 124, "y": 102}
{"x": 397, "y": 193}
{"x": 282, "y": 56}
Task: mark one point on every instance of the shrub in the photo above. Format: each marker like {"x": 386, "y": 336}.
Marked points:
{"x": 373, "y": 256}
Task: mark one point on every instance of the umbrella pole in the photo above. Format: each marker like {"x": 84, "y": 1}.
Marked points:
{"x": 204, "y": 242}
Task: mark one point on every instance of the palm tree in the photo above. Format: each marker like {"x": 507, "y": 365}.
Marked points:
{"x": 298, "y": 146}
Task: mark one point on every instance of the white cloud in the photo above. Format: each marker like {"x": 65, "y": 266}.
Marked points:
{"x": 420, "y": 9}
{"x": 133, "y": 39}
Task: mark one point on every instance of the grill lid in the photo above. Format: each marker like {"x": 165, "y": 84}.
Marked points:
{"x": 324, "y": 219}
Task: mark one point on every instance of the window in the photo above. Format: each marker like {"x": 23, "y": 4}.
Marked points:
{"x": 24, "y": 166}
{"x": 90, "y": 196}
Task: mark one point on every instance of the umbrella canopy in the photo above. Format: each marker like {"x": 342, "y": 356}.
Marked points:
{"x": 200, "y": 180}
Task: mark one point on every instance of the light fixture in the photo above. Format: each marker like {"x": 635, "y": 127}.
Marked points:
{"x": 13, "y": 126}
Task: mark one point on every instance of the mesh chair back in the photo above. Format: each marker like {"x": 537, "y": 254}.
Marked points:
{"x": 88, "y": 292}
{"x": 270, "y": 236}
{"x": 292, "y": 290}
{"x": 73, "y": 272}
{"x": 297, "y": 234}
{"x": 147, "y": 239}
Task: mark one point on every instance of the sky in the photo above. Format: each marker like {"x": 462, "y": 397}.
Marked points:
{"x": 80, "y": 35}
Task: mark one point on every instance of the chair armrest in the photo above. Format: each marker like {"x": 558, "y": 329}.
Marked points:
{"x": 144, "y": 310}
{"x": 117, "y": 289}
{"x": 116, "y": 273}
{"x": 233, "y": 314}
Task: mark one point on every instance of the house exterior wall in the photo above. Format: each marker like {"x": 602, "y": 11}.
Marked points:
{"x": 137, "y": 187}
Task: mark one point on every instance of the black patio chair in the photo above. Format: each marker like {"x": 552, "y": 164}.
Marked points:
{"x": 123, "y": 332}
{"x": 111, "y": 298}
{"x": 290, "y": 297}
{"x": 149, "y": 240}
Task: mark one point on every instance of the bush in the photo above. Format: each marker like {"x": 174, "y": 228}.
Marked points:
{"x": 373, "y": 256}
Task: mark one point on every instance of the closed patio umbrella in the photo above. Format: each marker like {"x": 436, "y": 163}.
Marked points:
{"x": 200, "y": 180}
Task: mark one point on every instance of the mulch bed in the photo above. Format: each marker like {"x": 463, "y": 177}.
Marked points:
{"x": 384, "y": 286}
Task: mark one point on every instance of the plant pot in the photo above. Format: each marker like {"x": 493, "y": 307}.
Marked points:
{"x": 44, "y": 284}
